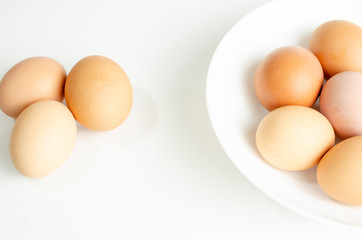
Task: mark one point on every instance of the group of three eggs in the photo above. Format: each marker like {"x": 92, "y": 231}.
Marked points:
{"x": 97, "y": 92}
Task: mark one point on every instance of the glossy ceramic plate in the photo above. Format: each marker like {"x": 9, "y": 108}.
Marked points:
{"x": 235, "y": 111}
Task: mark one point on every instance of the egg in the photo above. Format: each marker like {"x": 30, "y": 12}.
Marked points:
{"x": 289, "y": 75}
{"x": 98, "y": 93}
{"x": 31, "y": 80}
{"x": 339, "y": 171}
{"x": 340, "y": 102}
{"x": 338, "y": 46}
{"x": 294, "y": 138}
{"x": 42, "y": 138}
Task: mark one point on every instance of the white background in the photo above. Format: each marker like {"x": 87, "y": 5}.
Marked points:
{"x": 162, "y": 174}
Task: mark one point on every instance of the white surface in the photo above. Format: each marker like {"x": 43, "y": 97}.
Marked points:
{"x": 235, "y": 111}
{"x": 161, "y": 175}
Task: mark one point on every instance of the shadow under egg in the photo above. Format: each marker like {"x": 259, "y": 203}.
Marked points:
{"x": 258, "y": 112}
{"x": 139, "y": 123}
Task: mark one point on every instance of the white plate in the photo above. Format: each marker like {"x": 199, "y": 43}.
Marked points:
{"x": 235, "y": 111}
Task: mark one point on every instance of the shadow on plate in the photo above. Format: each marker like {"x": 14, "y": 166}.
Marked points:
{"x": 259, "y": 112}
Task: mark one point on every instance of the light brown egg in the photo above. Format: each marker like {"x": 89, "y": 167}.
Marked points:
{"x": 294, "y": 137}
{"x": 289, "y": 75}
{"x": 99, "y": 93}
{"x": 42, "y": 138}
{"x": 340, "y": 170}
{"x": 338, "y": 46}
{"x": 31, "y": 80}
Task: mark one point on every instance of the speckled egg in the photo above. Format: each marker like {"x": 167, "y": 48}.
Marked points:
{"x": 294, "y": 138}
{"x": 289, "y": 75}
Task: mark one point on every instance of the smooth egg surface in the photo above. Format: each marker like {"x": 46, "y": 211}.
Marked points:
{"x": 42, "y": 138}
{"x": 98, "y": 93}
{"x": 339, "y": 171}
{"x": 338, "y": 46}
{"x": 29, "y": 81}
{"x": 341, "y": 103}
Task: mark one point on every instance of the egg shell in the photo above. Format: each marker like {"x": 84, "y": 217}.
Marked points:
{"x": 294, "y": 138}
{"x": 99, "y": 93}
{"x": 42, "y": 138}
{"x": 29, "y": 81}
{"x": 289, "y": 75}
{"x": 338, "y": 46}
{"x": 341, "y": 103}
{"x": 339, "y": 171}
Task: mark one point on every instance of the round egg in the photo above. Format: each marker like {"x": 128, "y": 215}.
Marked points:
{"x": 31, "y": 80}
{"x": 42, "y": 138}
{"x": 98, "y": 93}
{"x": 289, "y": 75}
{"x": 341, "y": 103}
{"x": 339, "y": 171}
{"x": 294, "y": 137}
{"x": 338, "y": 46}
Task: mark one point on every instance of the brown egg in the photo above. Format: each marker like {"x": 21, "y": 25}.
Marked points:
{"x": 31, "y": 80}
{"x": 289, "y": 75}
{"x": 98, "y": 93}
{"x": 340, "y": 170}
{"x": 338, "y": 46}
{"x": 42, "y": 138}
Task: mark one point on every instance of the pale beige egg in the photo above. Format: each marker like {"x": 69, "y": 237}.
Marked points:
{"x": 294, "y": 137}
{"x": 42, "y": 138}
